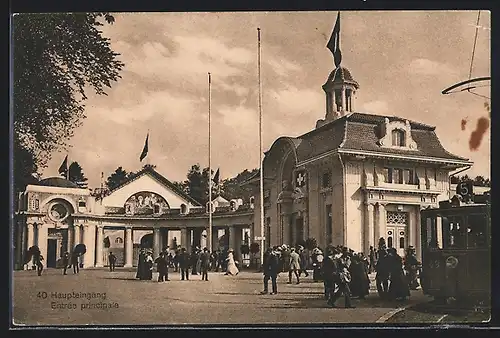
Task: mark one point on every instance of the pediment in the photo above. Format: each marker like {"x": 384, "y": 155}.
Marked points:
{"x": 146, "y": 191}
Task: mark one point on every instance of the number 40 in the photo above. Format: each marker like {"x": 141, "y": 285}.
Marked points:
{"x": 42, "y": 294}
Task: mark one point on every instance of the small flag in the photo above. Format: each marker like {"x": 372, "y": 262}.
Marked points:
{"x": 64, "y": 166}
{"x": 216, "y": 177}
{"x": 145, "y": 149}
{"x": 334, "y": 43}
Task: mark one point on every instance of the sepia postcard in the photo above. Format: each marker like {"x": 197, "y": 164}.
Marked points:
{"x": 254, "y": 168}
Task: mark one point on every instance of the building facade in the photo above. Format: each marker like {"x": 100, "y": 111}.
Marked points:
{"x": 145, "y": 211}
{"x": 353, "y": 179}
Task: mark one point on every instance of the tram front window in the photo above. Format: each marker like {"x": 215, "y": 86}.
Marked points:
{"x": 454, "y": 231}
{"x": 434, "y": 232}
{"x": 477, "y": 231}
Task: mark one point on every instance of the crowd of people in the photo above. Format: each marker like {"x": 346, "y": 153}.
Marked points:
{"x": 197, "y": 262}
{"x": 345, "y": 272}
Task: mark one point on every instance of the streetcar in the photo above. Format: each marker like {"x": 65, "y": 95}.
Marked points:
{"x": 456, "y": 250}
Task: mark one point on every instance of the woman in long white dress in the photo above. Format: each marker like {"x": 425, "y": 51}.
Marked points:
{"x": 232, "y": 269}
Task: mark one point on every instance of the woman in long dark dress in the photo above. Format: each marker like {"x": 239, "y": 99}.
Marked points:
{"x": 140, "y": 266}
{"x": 360, "y": 284}
{"x": 398, "y": 289}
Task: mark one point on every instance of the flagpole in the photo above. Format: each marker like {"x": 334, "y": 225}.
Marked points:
{"x": 67, "y": 167}
{"x": 209, "y": 234}
{"x": 260, "y": 157}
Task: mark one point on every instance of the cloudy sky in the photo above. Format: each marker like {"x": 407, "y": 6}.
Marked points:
{"x": 402, "y": 61}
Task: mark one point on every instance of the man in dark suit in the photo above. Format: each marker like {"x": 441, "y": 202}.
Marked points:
{"x": 184, "y": 260}
{"x": 270, "y": 269}
{"x": 65, "y": 262}
{"x": 162, "y": 267}
{"x": 205, "y": 264}
{"x": 75, "y": 263}
{"x": 112, "y": 261}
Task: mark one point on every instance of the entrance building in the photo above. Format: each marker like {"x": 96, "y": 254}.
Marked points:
{"x": 354, "y": 178}
{"x": 145, "y": 211}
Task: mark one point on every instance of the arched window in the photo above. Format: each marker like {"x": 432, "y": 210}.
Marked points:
{"x": 183, "y": 208}
{"x": 398, "y": 138}
{"x": 119, "y": 240}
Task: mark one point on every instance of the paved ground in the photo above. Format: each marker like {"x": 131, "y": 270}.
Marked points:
{"x": 221, "y": 300}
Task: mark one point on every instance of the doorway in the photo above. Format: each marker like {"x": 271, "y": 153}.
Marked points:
{"x": 51, "y": 258}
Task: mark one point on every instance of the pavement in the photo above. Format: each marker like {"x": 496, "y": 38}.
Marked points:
{"x": 118, "y": 298}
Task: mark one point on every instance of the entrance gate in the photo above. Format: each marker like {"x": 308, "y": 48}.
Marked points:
{"x": 396, "y": 236}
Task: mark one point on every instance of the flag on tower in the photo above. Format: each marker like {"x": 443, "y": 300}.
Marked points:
{"x": 145, "y": 149}
{"x": 63, "y": 169}
{"x": 216, "y": 177}
{"x": 334, "y": 43}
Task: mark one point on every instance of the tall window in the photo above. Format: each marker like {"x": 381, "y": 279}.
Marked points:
{"x": 326, "y": 180}
{"x": 329, "y": 238}
{"x": 398, "y": 138}
{"x": 400, "y": 176}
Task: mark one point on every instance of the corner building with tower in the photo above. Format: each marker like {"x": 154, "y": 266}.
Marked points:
{"x": 355, "y": 178}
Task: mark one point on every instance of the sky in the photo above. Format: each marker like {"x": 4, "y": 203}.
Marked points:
{"x": 402, "y": 61}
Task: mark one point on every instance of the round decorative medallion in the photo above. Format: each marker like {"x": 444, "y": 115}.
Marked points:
{"x": 58, "y": 212}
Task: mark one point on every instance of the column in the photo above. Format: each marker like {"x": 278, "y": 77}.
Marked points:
{"x": 369, "y": 228}
{"x": 237, "y": 243}
{"x": 89, "y": 239}
{"x": 184, "y": 237}
{"x": 43, "y": 230}
{"x": 382, "y": 227}
{"x": 129, "y": 247}
{"x": 215, "y": 239}
{"x": 164, "y": 242}
{"x": 71, "y": 243}
{"x": 418, "y": 239}
{"x": 293, "y": 231}
{"x": 343, "y": 99}
{"x": 189, "y": 240}
{"x": 99, "y": 247}
{"x": 78, "y": 234}
{"x": 31, "y": 241}
{"x": 411, "y": 230}
{"x": 156, "y": 242}
{"x": 18, "y": 263}
{"x": 232, "y": 237}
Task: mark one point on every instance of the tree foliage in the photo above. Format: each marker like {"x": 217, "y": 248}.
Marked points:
{"x": 57, "y": 58}
{"x": 76, "y": 175}
{"x": 478, "y": 181}
{"x": 118, "y": 177}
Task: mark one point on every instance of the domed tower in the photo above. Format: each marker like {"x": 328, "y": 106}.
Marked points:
{"x": 340, "y": 87}
{"x": 340, "y": 90}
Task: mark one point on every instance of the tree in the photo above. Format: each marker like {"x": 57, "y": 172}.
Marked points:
{"x": 76, "y": 175}
{"x": 116, "y": 178}
{"x": 232, "y": 186}
{"x": 56, "y": 59}
{"x": 197, "y": 184}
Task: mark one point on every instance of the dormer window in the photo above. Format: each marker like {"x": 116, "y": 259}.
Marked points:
{"x": 398, "y": 138}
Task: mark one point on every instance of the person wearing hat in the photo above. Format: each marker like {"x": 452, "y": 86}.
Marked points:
{"x": 304, "y": 260}
{"x": 162, "y": 267}
{"x": 204, "y": 264}
{"x": 232, "y": 269}
{"x": 270, "y": 268}
{"x": 411, "y": 267}
{"x": 65, "y": 262}
{"x": 294, "y": 265}
{"x": 184, "y": 261}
